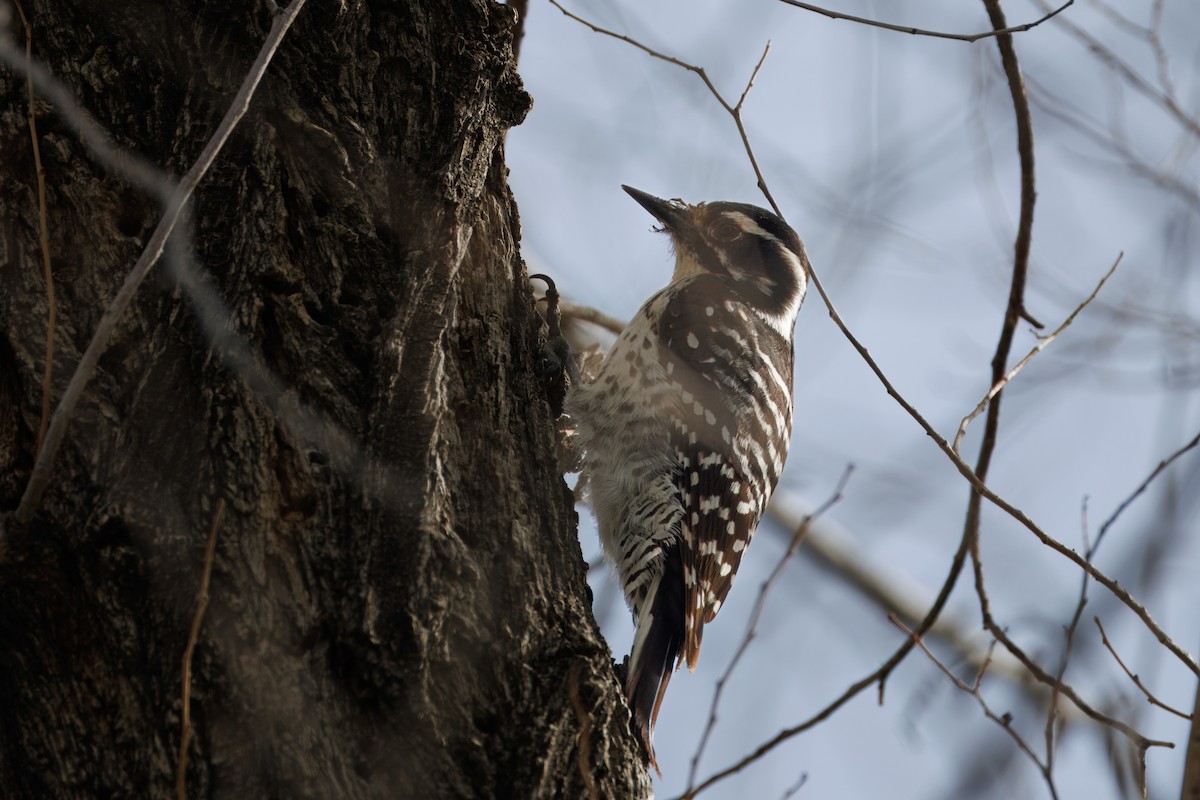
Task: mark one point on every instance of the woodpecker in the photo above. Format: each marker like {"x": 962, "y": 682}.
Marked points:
{"x": 685, "y": 428}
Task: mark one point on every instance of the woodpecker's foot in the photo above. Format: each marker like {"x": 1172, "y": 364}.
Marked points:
{"x": 558, "y": 369}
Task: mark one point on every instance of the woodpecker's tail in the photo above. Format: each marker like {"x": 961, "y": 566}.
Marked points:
{"x": 656, "y": 647}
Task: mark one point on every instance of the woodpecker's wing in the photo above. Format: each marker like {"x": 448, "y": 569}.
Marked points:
{"x": 730, "y": 439}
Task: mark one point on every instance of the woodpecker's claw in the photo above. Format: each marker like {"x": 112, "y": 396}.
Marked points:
{"x": 558, "y": 359}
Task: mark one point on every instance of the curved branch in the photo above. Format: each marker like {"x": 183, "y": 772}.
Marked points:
{"x": 961, "y": 37}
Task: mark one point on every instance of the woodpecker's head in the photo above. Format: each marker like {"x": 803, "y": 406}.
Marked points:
{"x": 755, "y": 250}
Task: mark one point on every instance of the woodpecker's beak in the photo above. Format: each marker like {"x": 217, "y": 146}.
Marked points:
{"x": 672, "y": 216}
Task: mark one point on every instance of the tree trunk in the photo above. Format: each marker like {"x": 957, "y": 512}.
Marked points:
{"x": 405, "y": 616}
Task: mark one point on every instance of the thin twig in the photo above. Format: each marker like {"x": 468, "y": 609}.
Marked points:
{"x": 754, "y": 74}
{"x": 1154, "y": 34}
{"x": 1003, "y": 720}
{"x": 1014, "y": 311}
{"x": 1140, "y": 742}
{"x": 40, "y": 477}
{"x": 1162, "y": 465}
{"x": 1154, "y": 701}
{"x": 1052, "y": 715}
{"x": 1119, "y": 19}
{"x": 1043, "y": 343}
{"x": 1015, "y": 305}
{"x": 795, "y": 787}
{"x": 1115, "y": 588}
{"x": 1024, "y": 125}
{"x": 877, "y": 676}
{"x": 43, "y": 232}
{"x": 734, "y": 111}
{"x": 1162, "y": 98}
{"x": 828, "y": 546}
{"x": 1061, "y": 109}
{"x": 185, "y": 733}
{"x": 799, "y": 534}
{"x": 962, "y": 37}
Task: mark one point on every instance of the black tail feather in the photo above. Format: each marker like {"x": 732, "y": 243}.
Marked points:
{"x": 659, "y": 638}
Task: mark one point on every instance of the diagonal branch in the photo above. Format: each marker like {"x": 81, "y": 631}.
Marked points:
{"x": 1154, "y": 701}
{"x": 1162, "y": 465}
{"x": 975, "y": 690}
{"x": 179, "y": 197}
{"x": 1042, "y": 344}
{"x": 1164, "y": 98}
{"x": 43, "y": 231}
{"x": 962, "y": 37}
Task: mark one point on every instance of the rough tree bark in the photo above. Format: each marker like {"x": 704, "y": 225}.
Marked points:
{"x": 408, "y": 618}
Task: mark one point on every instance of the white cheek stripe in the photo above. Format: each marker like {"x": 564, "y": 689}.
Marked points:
{"x": 750, "y": 226}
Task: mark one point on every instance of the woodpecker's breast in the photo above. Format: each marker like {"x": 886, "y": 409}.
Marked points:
{"x": 624, "y": 419}
{"x": 685, "y": 431}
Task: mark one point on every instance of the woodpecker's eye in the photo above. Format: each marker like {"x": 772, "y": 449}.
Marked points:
{"x": 726, "y": 231}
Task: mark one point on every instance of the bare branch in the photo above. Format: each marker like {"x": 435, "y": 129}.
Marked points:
{"x": 795, "y": 787}
{"x": 962, "y": 37}
{"x": 1154, "y": 35}
{"x": 1004, "y": 720}
{"x": 753, "y": 75}
{"x": 1014, "y": 311}
{"x": 1162, "y": 465}
{"x": 185, "y": 724}
{"x": 1042, "y": 344}
{"x": 1116, "y": 589}
{"x": 734, "y": 111}
{"x": 1136, "y": 680}
{"x": 1061, "y": 108}
{"x": 1052, "y": 713}
{"x": 826, "y": 544}
{"x": 180, "y": 195}
{"x": 1163, "y": 99}
{"x": 43, "y": 231}
{"x": 1119, "y": 19}
{"x": 879, "y": 675}
{"x": 1139, "y": 741}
